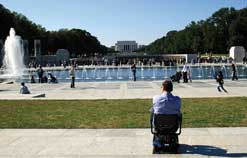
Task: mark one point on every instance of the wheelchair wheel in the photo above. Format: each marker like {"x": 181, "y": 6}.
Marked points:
{"x": 174, "y": 144}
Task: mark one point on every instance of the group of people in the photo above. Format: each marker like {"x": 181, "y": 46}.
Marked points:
{"x": 43, "y": 78}
{"x": 185, "y": 73}
{"x": 220, "y": 78}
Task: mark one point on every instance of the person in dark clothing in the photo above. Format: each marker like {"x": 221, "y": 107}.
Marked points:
{"x": 234, "y": 72}
{"x": 245, "y": 60}
{"x": 33, "y": 79}
{"x": 40, "y": 74}
{"x": 220, "y": 80}
{"x": 185, "y": 73}
{"x": 133, "y": 68}
{"x": 53, "y": 79}
{"x": 177, "y": 77}
{"x": 72, "y": 75}
{"x": 44, "y": 79}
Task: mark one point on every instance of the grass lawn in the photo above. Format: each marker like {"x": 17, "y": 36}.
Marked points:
{"x": 211, "y": 112}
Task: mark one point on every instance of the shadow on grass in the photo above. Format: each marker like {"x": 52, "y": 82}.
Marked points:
{"x": 207, "y": 151}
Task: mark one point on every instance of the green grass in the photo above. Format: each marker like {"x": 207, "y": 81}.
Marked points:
{"x": 211, "y": 112}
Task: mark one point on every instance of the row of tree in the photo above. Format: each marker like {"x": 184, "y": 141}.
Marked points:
{"x": 78, "y": 42}
{"x": 225, "y": 28}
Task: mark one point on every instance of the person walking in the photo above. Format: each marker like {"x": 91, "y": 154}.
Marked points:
{"x": 133, "y": 68}
{"x": 72, "y": 75}
{"x": 234, "y": 72}
{"x": 185, "y": 73}
{"x": 40, "y": 74}
{"x": 220, "y": 80}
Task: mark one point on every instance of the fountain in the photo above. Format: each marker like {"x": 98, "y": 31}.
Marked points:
{"x": 212, "y": 72}
{"x": 119, "y": 74}
{"x": 200, "y": 71}
{"x": 166, "y": 73}
{"x": 97, "y": 75}
{"x": 84, "y": 71}
{"x": 13, "y": 58}
{"x": 243, "y": 74}
{"x": 130, "y": 74}
{"x": 142, "y": 72}
{"x": 223, "y": 69}
{"x": 154, "y": 75}
{"x": 108, "y": 74}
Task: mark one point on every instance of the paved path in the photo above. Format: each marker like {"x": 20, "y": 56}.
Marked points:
{"x": 118, "y": 143}
{"x": 123, "y": 90}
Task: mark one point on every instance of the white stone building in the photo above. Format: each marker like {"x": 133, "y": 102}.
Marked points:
{"x": 126, "y": 46}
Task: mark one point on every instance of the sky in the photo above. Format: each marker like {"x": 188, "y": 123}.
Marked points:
{"x": 114, "y": 20}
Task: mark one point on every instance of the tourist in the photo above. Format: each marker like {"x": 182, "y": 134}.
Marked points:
{"x": 133, "y": 68}
{"x": 33, "y": 79}
{"x": 245, "y": 60}
{"x": 166, "y": 103}
{"x": 52, "y": 79}
{"x": 176, "y": 77}
{"x": 40, "y": 74}
{"x": 72, "y": 75}
{"x": 220, "y": 80}
{"x": 44, "y": 79}
{"x": 24, "y": 89}
{"x": 234, "y": 72}
{"x": 184, "y": 71}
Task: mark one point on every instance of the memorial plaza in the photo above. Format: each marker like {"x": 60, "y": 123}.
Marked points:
{"x": 122, "y": 90}
{"x": 122, "y": 143}
{"x": 152, "y": 79}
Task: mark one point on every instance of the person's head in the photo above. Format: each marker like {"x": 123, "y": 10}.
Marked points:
{"x": 167, "y": 86}
{"x": 22, "y": 84}
{"x": 220, "y": 72}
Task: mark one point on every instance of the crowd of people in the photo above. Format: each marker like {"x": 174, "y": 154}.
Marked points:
{"x": 185, "y": 74}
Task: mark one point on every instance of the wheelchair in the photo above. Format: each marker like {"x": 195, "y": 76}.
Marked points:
{"x": 165, "y": 129}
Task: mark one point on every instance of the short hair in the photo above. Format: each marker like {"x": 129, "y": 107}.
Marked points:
{"x": 22, "y": 83}
{"x": 167, "y": 86}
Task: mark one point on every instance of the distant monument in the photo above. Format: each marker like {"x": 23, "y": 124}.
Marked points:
{"x": 237, "y": 53}
{"x": 37, "y": 50}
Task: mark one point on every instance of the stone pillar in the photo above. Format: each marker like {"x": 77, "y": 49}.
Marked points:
{"x": 37, "y": 51}
{"x": 26, "y": 52}
{"x": 1, "y": 52}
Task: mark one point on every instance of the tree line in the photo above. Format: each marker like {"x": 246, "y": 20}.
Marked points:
{"x": 78, "y": 42}
{"x": 225, "y": 28}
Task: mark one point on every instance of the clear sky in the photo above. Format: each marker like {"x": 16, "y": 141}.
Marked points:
{"x": 113, "y": 20}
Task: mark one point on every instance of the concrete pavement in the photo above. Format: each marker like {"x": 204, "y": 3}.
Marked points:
{"x": 118, "y": 143}
{"x": 124, "y": 90}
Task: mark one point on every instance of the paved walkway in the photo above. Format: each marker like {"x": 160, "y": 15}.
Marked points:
{"x": 123, "y": 90}
{"x": 118, "y": 143}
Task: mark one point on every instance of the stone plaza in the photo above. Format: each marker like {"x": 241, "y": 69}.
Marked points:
{"x": 123, "y": 90}
{"x": 121, "y": 143}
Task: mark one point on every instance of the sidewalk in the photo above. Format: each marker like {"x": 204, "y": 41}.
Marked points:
{"x": 124, "y": 90}
{"x": 118, "y": 143}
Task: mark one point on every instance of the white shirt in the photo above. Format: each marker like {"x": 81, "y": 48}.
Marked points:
{"x": 185, "y": 68}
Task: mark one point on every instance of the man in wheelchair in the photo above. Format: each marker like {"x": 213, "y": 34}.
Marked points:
{"x": 166, "y": 120}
